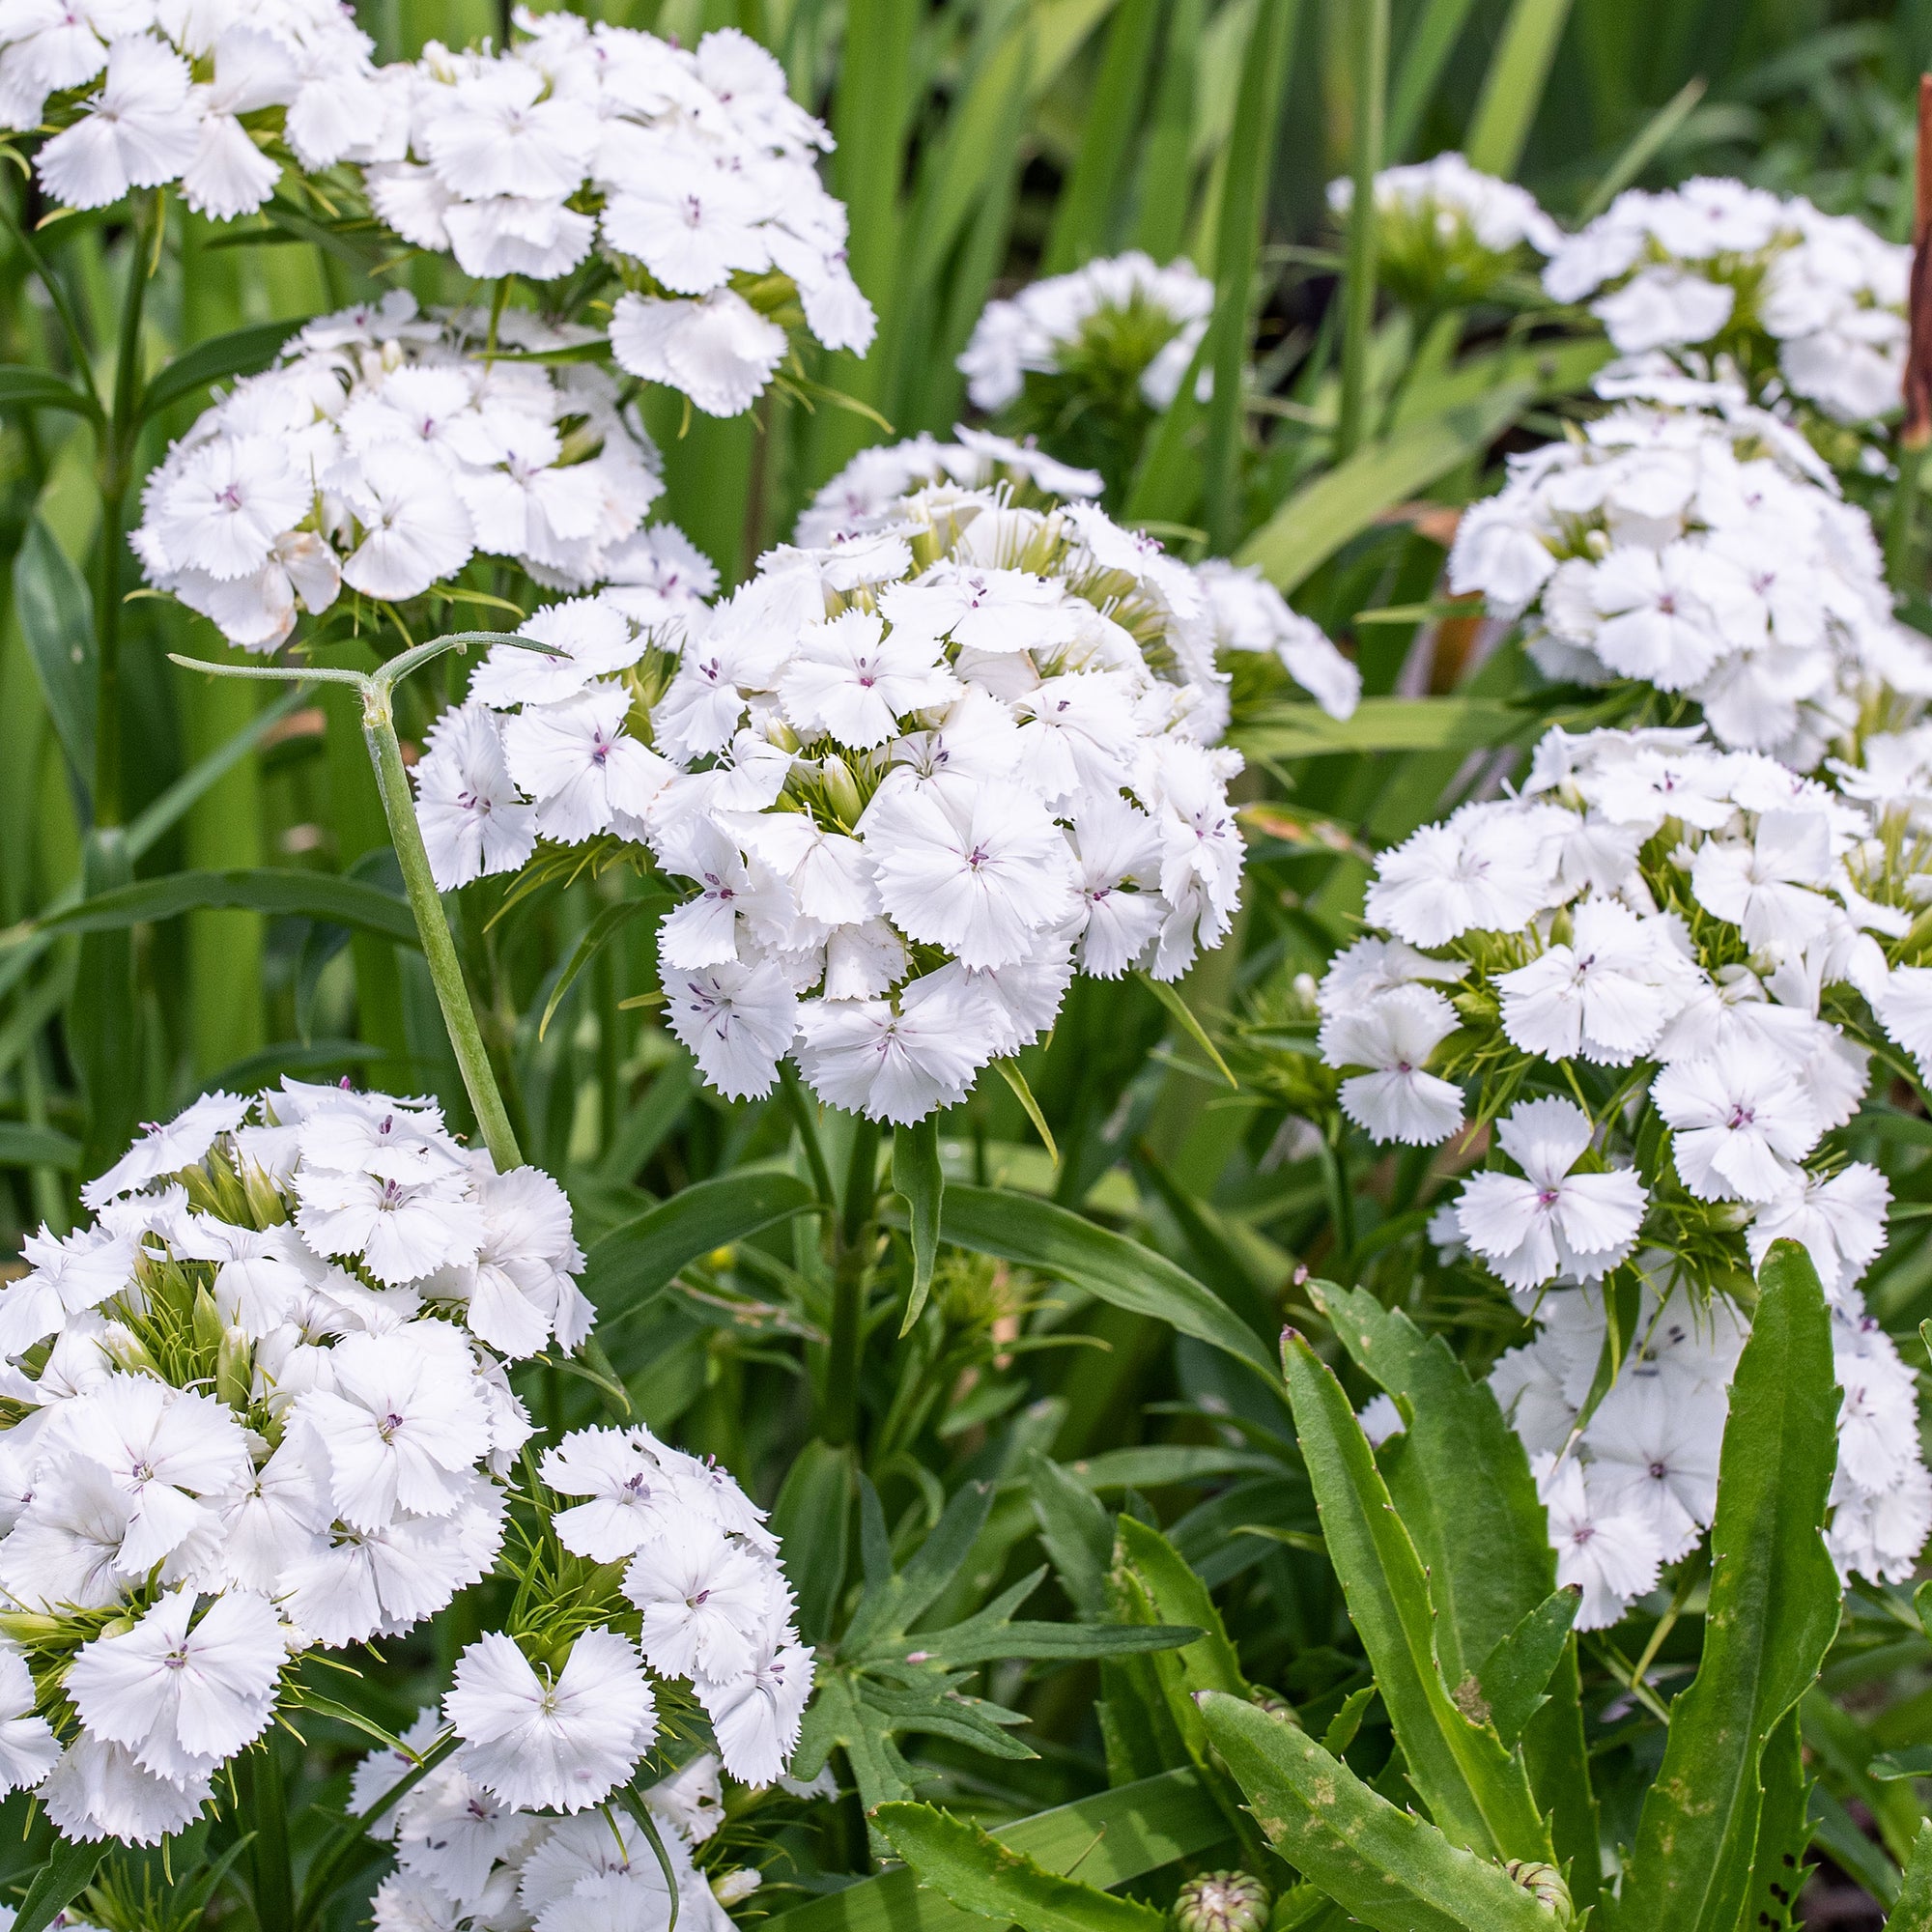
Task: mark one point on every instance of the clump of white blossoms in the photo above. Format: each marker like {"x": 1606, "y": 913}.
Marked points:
{"x": 1122, "y": 324}
{"x": 384, "y": 450}
{"x": 913, "y": 781}
{"x": 1805, "y": 304}
{"x": 1637, "y": 964}
{"x": 687, "y": 178}
{"x": 466, "y": 1862}
{"x": 257, "y": 1405}
{"x": 140, "y": 95}
{"x": 1252, "y": 618}
{"x": 1448, "y": 234}
{"x": 1705, "y": 553}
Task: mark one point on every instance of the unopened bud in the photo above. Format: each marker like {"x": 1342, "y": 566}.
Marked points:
{"x": 1222, "y": 1901}
{"x": 1598, "y": 544}
{"x": 728, "y": 1887}
{"x": 234, "y": 1369}
{"x": 1544, "y": 1884}
{"x": 208, "y": 1323}
{"x": 840, "y": 790}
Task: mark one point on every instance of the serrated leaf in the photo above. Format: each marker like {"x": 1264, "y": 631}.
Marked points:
{"x": 1389, "y": 1869}
{"x": 1783, "y": 1832}
{"x": 977, "y": 1873}
{"x": 921, "y": 1183}
{"x": 1773, "y": 1610}
{"x": 1476, "y": 1792}
{"x": 1912, "y": 1910}
{"x": 57, "y": 1884}
{"x": 1515, "y": 1676}
{"x": 1179, "y": 1597}
{"x": 1060, "y": 1643}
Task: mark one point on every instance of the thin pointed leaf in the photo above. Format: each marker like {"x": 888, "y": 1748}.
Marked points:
{"x": 1183, "y": 1015}
{"x": 1512, "y": 87}
{"x": 57, "y": 1884}
{"x": 240, "y": 352}
{"x": 24, "y": 388}
{"x": 1389, "y": 1869}
{"x": 1912, "y": 1911}
{"x": 56, "y": 612}
{"x": 278, "y": 893}
{"x": 609, "y": 922}
{"x": 1517, "y": 1674}
{"x": 1009, "y": 1073}
{"x": 920, "y": 1182}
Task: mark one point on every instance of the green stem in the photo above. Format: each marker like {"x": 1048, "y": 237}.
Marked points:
{"x": 851, "y": 1264}
{"x": 445, "y": 970}
{"x": 268, "y": 1817}
{"x": 1371, "y": 38}
{"x": 1899, "y": 535}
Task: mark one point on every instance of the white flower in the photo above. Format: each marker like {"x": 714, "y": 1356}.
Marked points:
{"x": 1740, "y": 1124}
{"x": 138, "y": 131}
{"x": 1475, "y": 870}
{"x": 28, "y": 1747}
{"x": 163, "y": 1149}
{"x": 1839, "y": 1220}
{"x": 1656, "y": 1454}
{"x": 562, "y": 1740}
{"x": 737, "y": 1022}
{"x": 719, "y": 350}
{"x": 585, "y": 771}
{"x": 1606, "y": 995}
{"x": 706, "y": 1603}
{"x": 895, "y": 1064}
{"x": 1604, "y": 1547}
{"x": 1768, "y": 889}
{"x": 755, "y": 1717}
{"x": 98, "y": 1791}
{"x": 853, "y": 680}
{"x": 473, "y": 820}
{"x": 1552, "y": 1221}
{"x": 1399, "y": 1099}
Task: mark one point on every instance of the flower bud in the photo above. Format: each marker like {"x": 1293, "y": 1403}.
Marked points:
{"x": 1544, "y": 1884}
{"x": 840, "y": 789}
{"x": 234, "y": 1369}
{"x": 208, "y": 1325}
{"x": 1222, "y": 1901}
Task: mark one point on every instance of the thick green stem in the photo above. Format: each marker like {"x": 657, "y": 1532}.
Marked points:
{"x": 267, "y": 1808}
{"x": 1370, "y": 64}
{"x": 852, "y": 1260}
{"x": 445, "y": 970}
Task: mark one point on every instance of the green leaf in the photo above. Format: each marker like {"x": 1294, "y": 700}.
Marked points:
{"x": 920, "y": 1182}
{"x": 1075, "y": 1530}
{"x": 1059, "y": 1642}
{"x": 1179, "y": 1597}
{"x": 240, "y": 352}
{"x": 1452, "y": 723}
{"x": 1010, "y": 1071}
{"x": 1773, "y": 1610}
{"x": 1388, "y": 1867}
{"x": 24, "y": 389}
{"x": 1914, "y": 1761}
{"x": 977, "y": 1872}
{"x": 1428, "y": 44}
{"x": 56, "y": 612}
{"x": 1307, "y": 529}
{"x": 1056, "y": 1242}
{"x": 812, "y": 1518}
{"x": 57, "y": 1884}
{"x": 1516, "y": 1677}
{"x": 1912, "y": 1911}
{"x": 635, "y": 1263}
{"x": 1183, "y": 1015}
{"x": 22, "y": 1144}
{"x": 278, "y": 893}
{"x": 609, "y": 922}
{"x": 1476, "y": 1792}
{"x": 1110, "y": 1837}
{"x": 1783, "y": 1834}
{"x": 1461, "y": 1484}
{"x": 1082, "y": 216}
{"x": 1512, "y": 87}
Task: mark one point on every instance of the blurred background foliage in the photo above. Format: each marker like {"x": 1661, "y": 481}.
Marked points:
{"x": 980, "y": 143}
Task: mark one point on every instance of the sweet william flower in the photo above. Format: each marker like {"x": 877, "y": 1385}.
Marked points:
{"x": 139, "y": 131}
{"x": 1398, "y": 1099}
{"x": 755, "y": 1717}
{"x": 561, "y": 1741}
{"x": 1740, "y": 1125}
{"x": 1604, "y": 1548}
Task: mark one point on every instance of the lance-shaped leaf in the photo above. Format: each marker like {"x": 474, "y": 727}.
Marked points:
{"x": 977, "y": 1873}
{"x": 57, "y": 1884}
{"x": 277, "y": 891}
{"x": 1389, "y": 1869}
{"x": 1516, "y": 1678}
{"x": 1477, "y": 1793}
{"x": 1773, "y": 1610}
{"x": 921, "y": 1183}
{"x": 1783, "y": 1834}
{"x": 1912, "y": 1910}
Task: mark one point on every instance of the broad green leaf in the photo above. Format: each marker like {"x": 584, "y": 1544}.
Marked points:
{"x": 279, "y": 893}
{"x": 1056, "y": 1242}
{"x": 1453, "y": 724}
{"x": 24, "y": 388}
{"x": 1007, "y": 1638}
{"x": 1165, "y": 185}
{"x": 1111, "y": 1837}
{"x": 1320, "y": 517}
{"x": 1550, "y": 368}
{"x": 1462, "y": 1485}
{"x": 1516, "y": 1678}
{"x": 1557, "y": 1754}
{"x": 1773, "y": 1610}
{"x": 57, "y": 1884}
{"x": 56, "y": 612}
{"x": 812, "y": 1518}
{"x": 1388, "y": 1867}
{"x": 920, "y": 1182}
{"x": 1477, "y": 1793}
{"x": 22, "y": 1144}
{"x": 240, "y": 353}
{"x": 635, "y": 1263}
{"x": 1179, "y": 1597}
{"x": 1512, "y": 87}
{"x": 1075, "y": 1530}
{"x": 1912, "y": 1911}
{"x": 975, "y": 1872}
{"x": 100, "y": 1024}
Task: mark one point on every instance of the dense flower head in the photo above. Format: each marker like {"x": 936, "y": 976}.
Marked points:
{"x": 1124, "y": 319}
{"x": 691, "y": 171}
{"x": 383, "y": 451}
{"x": 913, "y": 779}
{"x": 1446, "y": 232}
{"x": 1809, "y": 306}
{"x": 1704, "y": 552}
{"x": 142, "y": 93}
{"x": 1659, "y": 974}
{"x": 257, "y": 1405}
{"x": 467, "y": 1862}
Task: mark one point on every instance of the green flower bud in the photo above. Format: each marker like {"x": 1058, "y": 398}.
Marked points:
{"x": 1222, "y": 1901}
{"x": 841, "y": 792}
{"x": 1544, "y": 1884}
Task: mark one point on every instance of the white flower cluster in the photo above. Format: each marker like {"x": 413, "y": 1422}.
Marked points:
{"x": 175, "y": 82}
{"x": 258, "y": 1405}
{"x": 469, "y": 1862}
{"x": 1122, "y": 305}
{"x": 1651, "y": 926}
{"x": 1704, "y": 551}
{"x": 1251, "y": 617}
{"x": 1446, "y": 204}
{"x": 692, "y": 170}
{"x": 383, "y": 451}
{"x": 917, "y": 777}
{"x": 1720, "y": 268}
